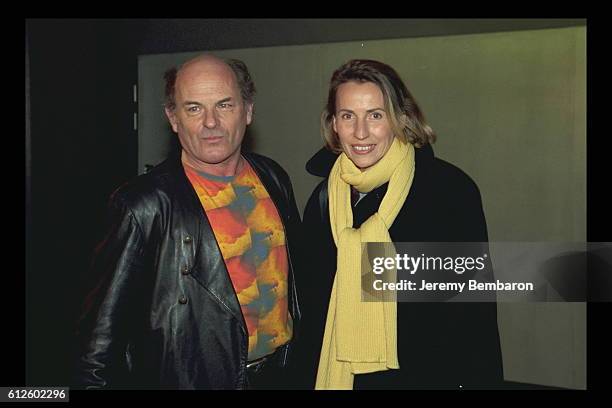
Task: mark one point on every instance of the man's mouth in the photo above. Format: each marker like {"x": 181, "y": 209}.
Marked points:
{"x": 212, "y": 138}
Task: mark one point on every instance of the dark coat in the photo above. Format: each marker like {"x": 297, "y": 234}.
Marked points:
{"x": 163, "y": 312}
{"x": 440, "y": 345}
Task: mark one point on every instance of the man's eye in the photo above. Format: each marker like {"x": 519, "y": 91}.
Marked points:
{"x": 346, "y": 116}
{"x": 225, "y": 105}
{"x": 193, "y": 109}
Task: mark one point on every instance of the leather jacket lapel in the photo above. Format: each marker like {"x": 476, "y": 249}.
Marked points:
{"x": 208, "y": 265}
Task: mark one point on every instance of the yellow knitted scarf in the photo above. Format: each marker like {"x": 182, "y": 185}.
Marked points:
{"x": 361, "y": 337}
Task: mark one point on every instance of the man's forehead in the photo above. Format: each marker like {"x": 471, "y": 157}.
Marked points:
{"x": 205, "y": 79}
{"x": 206, "y": 67}
{"x": 206, "y": 74}
{"x": 205, "y": 59}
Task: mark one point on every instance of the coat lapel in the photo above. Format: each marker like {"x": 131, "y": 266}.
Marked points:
{"x": 208, "y": 265}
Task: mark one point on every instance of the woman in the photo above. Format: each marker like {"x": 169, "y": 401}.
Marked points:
{"x": 386, "y": 185}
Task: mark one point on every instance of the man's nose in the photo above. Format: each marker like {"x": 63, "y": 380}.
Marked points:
{"x": 210, "y": 119}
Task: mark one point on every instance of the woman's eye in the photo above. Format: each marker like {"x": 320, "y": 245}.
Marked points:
{"x": 346, "y": 116}
{"x": 377, "y": 115}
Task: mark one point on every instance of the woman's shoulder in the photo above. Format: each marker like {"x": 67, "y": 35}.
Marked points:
{"x": 451, "y": 180}
{"x": 317, "y": 200}
{"x": 321, "y": 187}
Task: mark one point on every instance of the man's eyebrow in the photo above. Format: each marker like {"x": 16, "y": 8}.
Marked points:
{"x": 228, "y": 99}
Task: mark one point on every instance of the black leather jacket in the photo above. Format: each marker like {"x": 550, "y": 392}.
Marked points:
{"x": 163, "y": 312}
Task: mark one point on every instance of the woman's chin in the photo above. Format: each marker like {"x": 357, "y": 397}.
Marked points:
{"x": 363, "y": 162}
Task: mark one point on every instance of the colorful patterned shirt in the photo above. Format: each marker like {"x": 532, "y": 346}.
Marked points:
{"x": 251, "y": 236}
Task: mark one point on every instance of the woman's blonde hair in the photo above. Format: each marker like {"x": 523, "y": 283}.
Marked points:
{"x": 405, "y": 116}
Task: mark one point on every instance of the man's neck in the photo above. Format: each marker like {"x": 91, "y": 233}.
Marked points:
{"x": 230, "y": 167}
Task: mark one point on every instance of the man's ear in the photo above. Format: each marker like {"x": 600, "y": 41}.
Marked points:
{"x": 172, "y": 119}
{"x": 334, "y": 124}
{"x": 249, "y": 112}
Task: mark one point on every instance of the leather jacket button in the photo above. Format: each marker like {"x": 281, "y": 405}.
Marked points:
{"x": 187, "y": 239}
{"x": 183, "y": 300}
{"x": 185, "y": 270}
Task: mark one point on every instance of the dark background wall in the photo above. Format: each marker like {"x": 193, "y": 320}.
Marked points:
{"x": 80, "y": 141}
{"x": 82, "y": 147}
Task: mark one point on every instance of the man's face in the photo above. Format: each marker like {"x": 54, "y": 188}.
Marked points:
{"x": 361, "y": 123}
{"x": 210, "y": 116}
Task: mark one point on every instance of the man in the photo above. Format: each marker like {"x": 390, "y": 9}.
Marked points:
{"x": 194, "y": 280}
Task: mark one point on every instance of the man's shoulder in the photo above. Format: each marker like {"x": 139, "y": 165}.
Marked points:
{"x": 145, "y": 187}
{"x": 266, "y": 163}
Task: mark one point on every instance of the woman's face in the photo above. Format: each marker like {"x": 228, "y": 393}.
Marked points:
{"x": 361, "y": 123}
